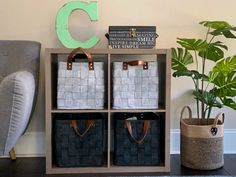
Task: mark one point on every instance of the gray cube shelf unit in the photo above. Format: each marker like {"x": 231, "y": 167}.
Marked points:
{"x": 108, "y": 56}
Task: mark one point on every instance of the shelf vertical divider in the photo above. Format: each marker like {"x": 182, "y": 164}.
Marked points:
{"x": 109, "y": 108}
{"x": 48, "y": 108}
{"x": 109, "y": 81}
{"x": 167, "y": 107}
{"x": 109, "y": 140}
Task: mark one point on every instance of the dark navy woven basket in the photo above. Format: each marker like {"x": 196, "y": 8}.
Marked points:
{"x": 71, "y": 150}
{"x": 129, "y": 152}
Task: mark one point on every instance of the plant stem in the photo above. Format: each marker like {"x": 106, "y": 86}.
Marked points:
{"x": 208, "y": 30}
{"x": 196, "y": 88}
{"x": 197, "y": 85}
{"x": 211, "y": 106}
{"x": 203, "y": 70}
{"x": 208, "y": 115}
{"x": 209, "y": 112}
{"x": 211, "y": 39}
{"x": 207, "y": 108}
{"x": 195, "y": 53}
{"x": 203, "y": 109}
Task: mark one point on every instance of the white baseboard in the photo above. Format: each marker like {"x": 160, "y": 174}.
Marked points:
{"x": 32, "y": 144}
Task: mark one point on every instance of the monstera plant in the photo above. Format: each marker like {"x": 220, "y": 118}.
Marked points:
{"x": 214, "y": 88}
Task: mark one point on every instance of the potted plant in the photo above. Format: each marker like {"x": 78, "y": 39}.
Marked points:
{"x": 202, "y": 138}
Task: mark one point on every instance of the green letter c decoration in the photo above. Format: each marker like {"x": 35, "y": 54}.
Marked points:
{"x": 62, "y": 23}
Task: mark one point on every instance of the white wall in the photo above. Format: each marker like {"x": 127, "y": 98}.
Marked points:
{"x": 35, "y": 20}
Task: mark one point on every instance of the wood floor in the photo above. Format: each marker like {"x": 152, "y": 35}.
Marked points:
{"x": 35, "y": 167}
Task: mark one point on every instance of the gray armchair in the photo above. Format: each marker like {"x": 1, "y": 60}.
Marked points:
{"x": 19, "y": 73}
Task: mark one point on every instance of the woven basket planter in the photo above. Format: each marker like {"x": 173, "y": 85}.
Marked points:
{"x": 201, "y": 144}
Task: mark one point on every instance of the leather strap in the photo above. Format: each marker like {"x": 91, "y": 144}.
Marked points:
{"x": 135, "y": 63}
{"x": 72, "y": 54}
{"x": 146, "y": 126}
{"x": 73, "y": 124}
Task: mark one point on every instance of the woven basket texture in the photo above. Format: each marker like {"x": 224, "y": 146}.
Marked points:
{"x": 202, "y": 153}
{"x": 135, "y": 88}
{"x": 73, "y": 151}
{"x": 80, "y": 88}
{"x": 127, "y": 151}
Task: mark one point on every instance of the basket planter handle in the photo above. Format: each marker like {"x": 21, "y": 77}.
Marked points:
{"x": 189, "y": 112}
{"x": 73, "y": 124}
{"x": 217, "y": 118}
{"x": 146, "y": 126}
{"x": 135, "y": 63}
{"x": 214, "y": 128}
{"x": 73, "y": 53}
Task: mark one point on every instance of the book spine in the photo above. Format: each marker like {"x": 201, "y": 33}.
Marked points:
{"x": 127, "y": 34}
{"x": 130, "y": 44}
{"x": 138, "y": 39}
{"x": 131, "y": 47}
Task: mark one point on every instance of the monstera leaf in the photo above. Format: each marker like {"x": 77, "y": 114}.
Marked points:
{"x": 229, "y": 102}
{"x": 192, "y": 44}
{"x": 226, "y": 86}
{"x": 180, "y": 59}
{"x": 225, "y": 66}
{"x": 223, "y": 76}
{"x": 220, "y": 28}
{"x": 190, "y": 73}
{"x": 212, "y": 51}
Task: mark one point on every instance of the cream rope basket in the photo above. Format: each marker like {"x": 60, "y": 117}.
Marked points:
{"x": 201, "y": 144}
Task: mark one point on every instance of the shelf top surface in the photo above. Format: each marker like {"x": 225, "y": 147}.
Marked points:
{"x": 105, "y": 110}
{"x": 110, "y": 51}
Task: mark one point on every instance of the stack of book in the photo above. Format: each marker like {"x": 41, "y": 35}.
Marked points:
{"x": 132, "y": 37}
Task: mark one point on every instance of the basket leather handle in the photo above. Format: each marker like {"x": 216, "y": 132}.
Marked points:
{"x": 189, "y": 112}
{"x": 72, "y": 54}
{"x": 217, "y": 118}
{"x": 135, "y": 63}
{"x": 73, "y": 124}
{"x": 146, "y": 126}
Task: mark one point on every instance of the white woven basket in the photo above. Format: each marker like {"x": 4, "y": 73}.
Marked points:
{"x": 80, "y": 85}
{"x": 135, "y": 85}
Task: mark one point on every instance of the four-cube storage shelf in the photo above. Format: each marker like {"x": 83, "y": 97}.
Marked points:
{"x": 108, "y": 56}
